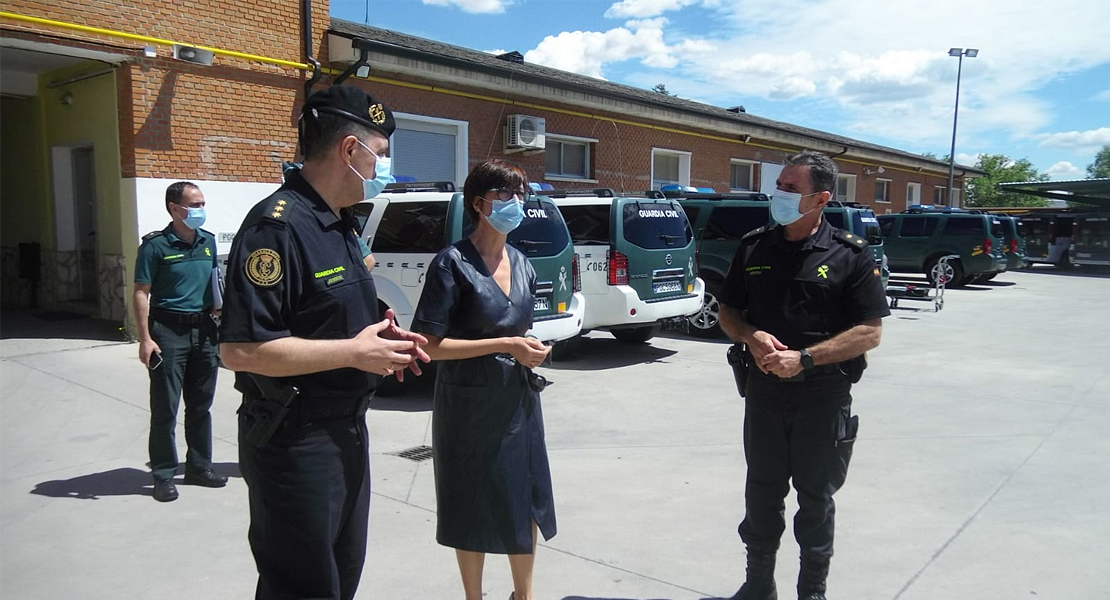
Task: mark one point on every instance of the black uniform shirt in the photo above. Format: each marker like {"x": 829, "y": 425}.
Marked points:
{"x": 808, "y": 291}
{"x": 296, "y": 270}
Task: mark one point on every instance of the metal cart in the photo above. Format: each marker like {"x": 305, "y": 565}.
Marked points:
{"x": 923, "y": 293}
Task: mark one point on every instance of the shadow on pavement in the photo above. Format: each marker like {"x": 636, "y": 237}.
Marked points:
{"x": 595, "y": 354}
{"x": 125, "y": 481}
{"x": 57, "y": 324}
{"x": 610, "y": 598}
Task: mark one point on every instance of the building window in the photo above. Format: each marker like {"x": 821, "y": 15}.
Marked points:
{"x": 669, "y": 167}
{"x": 429, "y": 149}
{"x": 846, "y": 188}
{"x": 913, "y": 194}
{"x": 882, "y": 190}
{"x": 740, "y": 176}
{"x": 568, "y": 157}
{"x": 956, "y": 197}
{"x": 940, "y": 197}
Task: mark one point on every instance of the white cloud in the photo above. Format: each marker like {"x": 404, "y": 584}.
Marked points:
{"x": 639, "y": 9}
{"x": 1063, "y": 169}
{"x": 1081, "y": 142}
{"x": 883, "y": 64}
{"x": 474, "y": 6}
{"x": 966, "y": 159}
{"x": 585, "y": 52}
{"x": 1103, "y": 95}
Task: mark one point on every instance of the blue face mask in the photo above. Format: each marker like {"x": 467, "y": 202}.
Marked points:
{"x": 506, "y": 215}
{"x": 195, "y": 218}
{"x": 784, "y": 206}
{"x": 382, "y": 175}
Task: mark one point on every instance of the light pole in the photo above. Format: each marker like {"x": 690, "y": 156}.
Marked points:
{"x": 960, "y": 52}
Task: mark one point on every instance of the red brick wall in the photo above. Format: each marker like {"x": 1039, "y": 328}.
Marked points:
{"x": 231, "y": 121}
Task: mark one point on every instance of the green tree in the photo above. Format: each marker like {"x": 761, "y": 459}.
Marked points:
{"x": 982, "y": 191}
{"x": 662, "y": 89}
{"x": 1101, "y": 167}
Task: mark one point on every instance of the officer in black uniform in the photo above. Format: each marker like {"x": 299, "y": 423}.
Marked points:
{"x": 806, "y": 300}
{"x": 302, "y": 331}
{"x": 177, "y": 338}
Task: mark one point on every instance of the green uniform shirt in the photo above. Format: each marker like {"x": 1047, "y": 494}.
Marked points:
{"x": 179, "y": 274}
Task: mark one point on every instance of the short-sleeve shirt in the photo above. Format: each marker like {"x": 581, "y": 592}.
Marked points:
{"x": 179, "y": 273}
{"x": 808, "y": 291}
{"x": 296, "y": 270}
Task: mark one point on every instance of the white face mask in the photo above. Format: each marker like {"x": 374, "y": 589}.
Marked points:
{"x": 382, "y": 174}
{"x": 784, "y": 206}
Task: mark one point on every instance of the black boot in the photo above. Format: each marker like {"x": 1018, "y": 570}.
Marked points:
{"x": 759, "y": 584}
{"x": 811, "y": 578}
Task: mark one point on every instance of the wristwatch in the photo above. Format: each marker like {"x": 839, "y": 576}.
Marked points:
{"x": 807, "y": 360}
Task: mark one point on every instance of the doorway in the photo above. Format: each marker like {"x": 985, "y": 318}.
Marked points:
{"x": 84, "y": 211}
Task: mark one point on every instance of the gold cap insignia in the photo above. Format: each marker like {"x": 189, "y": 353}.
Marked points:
{"x": 263, "y": 267}
{"x": 377, "y": 114}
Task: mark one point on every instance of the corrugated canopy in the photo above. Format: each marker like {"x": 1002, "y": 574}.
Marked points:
{"x": 1086, "y": 191}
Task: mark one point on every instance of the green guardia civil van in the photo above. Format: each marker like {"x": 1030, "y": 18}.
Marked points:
{"x": 636, "y": 258}
{"x": 409, "y": 223}
{"x": 916, "y": 239}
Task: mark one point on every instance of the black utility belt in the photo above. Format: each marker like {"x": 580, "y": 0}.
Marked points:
{"x": 323, "y": 409}
{"x": 816, "y": 371}
{"x": 179, "y": 318}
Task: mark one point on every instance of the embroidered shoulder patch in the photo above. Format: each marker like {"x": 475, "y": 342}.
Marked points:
{"x": 263, "y": 267}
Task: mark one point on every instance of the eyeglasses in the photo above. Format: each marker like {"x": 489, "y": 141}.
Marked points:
{"x": 505, "y": 194}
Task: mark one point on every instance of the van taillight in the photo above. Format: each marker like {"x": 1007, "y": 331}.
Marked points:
{"x": 618, "y": 268}
{"x": 1013, "y": 246}
{"x": 987, "y": 246}
{"x": 575, "y": 275}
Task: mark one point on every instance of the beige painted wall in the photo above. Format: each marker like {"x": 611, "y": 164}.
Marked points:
{"x": 91, "y": 118}
{"x": 24, "y": 181}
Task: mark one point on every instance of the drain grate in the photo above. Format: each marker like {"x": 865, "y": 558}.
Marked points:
{"x": 417, "y": 454}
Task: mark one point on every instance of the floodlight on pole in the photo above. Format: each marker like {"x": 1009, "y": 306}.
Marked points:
{"x": 960, "y": 52}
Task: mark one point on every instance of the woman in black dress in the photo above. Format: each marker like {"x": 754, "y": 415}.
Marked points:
{"x": 493, "y": 484}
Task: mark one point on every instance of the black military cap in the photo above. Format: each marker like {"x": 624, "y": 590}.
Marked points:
{"x": 354, "y": 104}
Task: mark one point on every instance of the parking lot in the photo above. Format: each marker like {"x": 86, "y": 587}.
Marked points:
{"x": 980, "y": 470}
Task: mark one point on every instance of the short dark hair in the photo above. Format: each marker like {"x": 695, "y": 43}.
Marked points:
{"x": 320, "y": 131}
{"x": 491, "y": 175}
{"x": 176, "y": 192}
{"x": 822, "y": 170}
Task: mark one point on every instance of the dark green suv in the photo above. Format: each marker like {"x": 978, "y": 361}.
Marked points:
{"x": 917, "y": 238}
{"x": 860, "y": 220}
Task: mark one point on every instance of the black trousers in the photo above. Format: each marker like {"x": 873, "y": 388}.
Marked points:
{"x": 189, "y": 368}
{"x": 309, "y": 491}
{"x": 801, "y": 432}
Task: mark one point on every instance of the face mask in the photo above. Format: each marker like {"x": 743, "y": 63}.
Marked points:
{"x": 506, "y": 215}
{"x": 784, "y": 206}
{"x": 382, "y": 175}
{"x": 195, "y": 218}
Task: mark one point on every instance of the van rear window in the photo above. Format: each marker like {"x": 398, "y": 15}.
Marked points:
{"x": 967, "y": 226}
{"x": 996, "y": 229}
{"x": 588, "y": 224}
{"x": 411, "y": 228}
{"x": 656, "y": 225}
{"x": 542, "y": 232}
{"x": 732, "y": 222}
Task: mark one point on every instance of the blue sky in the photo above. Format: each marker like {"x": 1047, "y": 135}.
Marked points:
{"x": 875, "y": 70}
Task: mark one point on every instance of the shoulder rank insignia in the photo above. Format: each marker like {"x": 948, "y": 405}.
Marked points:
{"x": 263, "y": 267}
{"x": 850, "y": 240}
{"x": 152, "y": 235}
{"x": 277, "y": 209}
{"x": 758, "y": 231}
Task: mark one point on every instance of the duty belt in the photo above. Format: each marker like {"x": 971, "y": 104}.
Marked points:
{"x": 815, "y": 371}
{"x": 178, "y": 318}
{"x": 323, "y": 409}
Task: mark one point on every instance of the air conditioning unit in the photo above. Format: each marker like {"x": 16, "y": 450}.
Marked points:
{"x": 524, "y": 132}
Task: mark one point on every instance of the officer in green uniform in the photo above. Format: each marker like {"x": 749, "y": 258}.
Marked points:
{"x": 177, "y": 338}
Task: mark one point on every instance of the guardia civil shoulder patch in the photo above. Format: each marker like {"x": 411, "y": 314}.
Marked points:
{"x": 263, "y": 267}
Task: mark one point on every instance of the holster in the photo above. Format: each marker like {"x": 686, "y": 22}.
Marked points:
{"x": 740, "y": 361}
{"x": 268, "y": 411}
{"x": 855, "y": 367}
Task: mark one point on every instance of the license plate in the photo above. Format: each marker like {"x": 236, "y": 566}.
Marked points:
{"x": 542, "y": 303}
{"x": 663, "y": 287}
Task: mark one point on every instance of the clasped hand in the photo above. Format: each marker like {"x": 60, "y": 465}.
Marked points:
{"x": 529, "y": 351}
{"x": 386, "y": 349}
{"x": 773, "y": 357}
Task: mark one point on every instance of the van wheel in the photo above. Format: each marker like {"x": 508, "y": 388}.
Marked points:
{"x": 706, "y": 323}
{"x": 635, "y": 335}
{"x": 953, "y": 275}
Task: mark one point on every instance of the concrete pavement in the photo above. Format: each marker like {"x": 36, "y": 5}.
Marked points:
{"x": 980, "y": 470}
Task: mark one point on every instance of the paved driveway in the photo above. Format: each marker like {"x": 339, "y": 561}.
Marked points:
{"x": 980, "y": 470}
